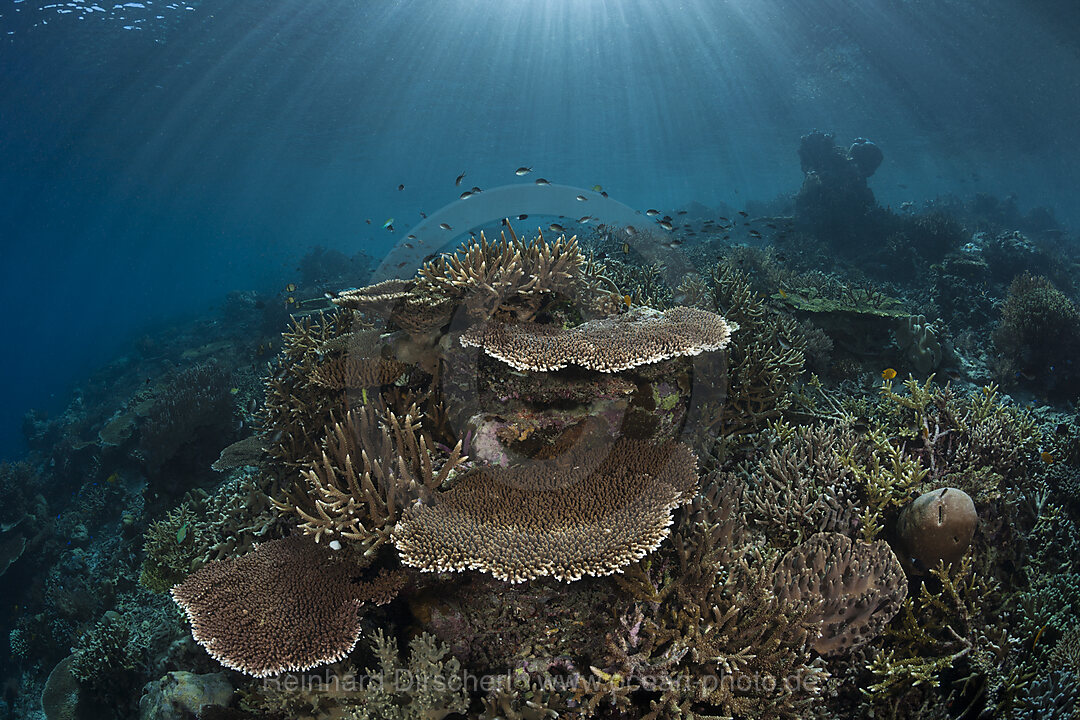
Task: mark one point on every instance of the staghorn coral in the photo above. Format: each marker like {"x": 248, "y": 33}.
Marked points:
{"x": 589, "y": 511}
{"x": 428, "y": 687}
{"x": 638, "y": 337}
{"x": 290, "y": 604}
{"x": 369, "y": 472}
{"x": 297, "y": 410}
{"x": 765, "y": 357}
{"x": 801, "y": 485}
{"x": 851, "y": 589}
{"x": 509, "y": 278}
{"x": 707, "y": 633}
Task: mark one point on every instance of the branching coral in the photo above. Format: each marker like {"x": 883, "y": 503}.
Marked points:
{"x": 195, "y": 399}
{"x": 1039, "y": 333}
{"x": 765, "y": 357}
{"x": 428, "y": 687}
{"x": 370, "y": 470}
{"x": 802, "y": 485}
{"x": 205, "y": 528}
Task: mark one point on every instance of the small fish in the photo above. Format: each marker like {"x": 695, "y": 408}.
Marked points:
{"x": 234, "y": 391}
{"x": 523, "y": 216}
{"x": 666, "y": 225}
{"x": 400, "y": 187}
{"x": 652, "y": 213}
{"x": 290, "y": 288}
{"x": 113, "y": 478}
{"x": 423, "y": 215}
{"x": 631, "y": 230}
{"x": 182, "y": 533}
{"x": 556, "y": 227}
{"x": 290, "y": 300}
{"x": 523, "y": 171}
{"x": 626, "y": 247}
{"x": 723, "y": 219}
{"x": 541, "y": 181}
{"x": 782, "y": 293}
{"x": 410, "y": 237}
{"x": 474, "y": 189}
{"x": 445, "y": 226}
{"x": 597, "y": 188}
{"x": 888, "y": 373}
{"x": 368, "y": 221}
{"x": 329, "y": 295}
{"x": 603, "y": 194}
{"x": 1047, "y": 457}
{"x": 681, "y": 212}
{"x": 466, "y": 194}
{"x": 457, "y": 181}
{"x": 744, "y": 213}
{"x": 388, "y": 223}
{"x": 585, "y": 219}
{"x": 409, "y": 245}
{"x": 389, "y": 227}
{"x": 627, "y": 300}
{"x": 402, "y": 264}
{"x": 581, "y": 198}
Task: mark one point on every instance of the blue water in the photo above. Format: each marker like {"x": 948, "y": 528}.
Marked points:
{"x": 156, "y": 156}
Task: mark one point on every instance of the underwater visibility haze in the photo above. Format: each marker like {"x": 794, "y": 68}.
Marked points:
{"x": 530, "y": 359}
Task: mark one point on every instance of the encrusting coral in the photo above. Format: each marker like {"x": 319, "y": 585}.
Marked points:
{"x": 851, "y": 589}
{"x": 290, "y": 604}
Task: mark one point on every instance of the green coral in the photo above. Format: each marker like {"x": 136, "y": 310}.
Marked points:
{"x": 1039, "y": 334}
{"x": 429, "y": 687}
{"x": 207, "y": 527}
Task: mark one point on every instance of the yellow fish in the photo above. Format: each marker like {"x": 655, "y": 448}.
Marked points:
{"x": 888, "y": 373}
{"x": 1047, "y": 457}
{"x": 113, "y": 478}
{"x": 290, "y": 288}
{"x": 626, "y": 300}
{"x": 234, "y": 391}
{"x": 782, "y": 293}
{"x": 597, "y": 188}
